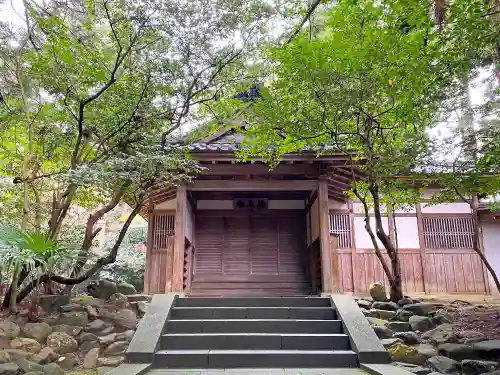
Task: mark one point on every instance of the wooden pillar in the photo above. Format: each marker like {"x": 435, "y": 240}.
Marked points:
{"x": 421, "y": 241}
{"x": 324, "y": 237}
{"x": 149, "y": 248}
{"x": 180, "y": 240}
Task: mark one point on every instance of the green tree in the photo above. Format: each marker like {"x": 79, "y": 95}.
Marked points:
{"x": 369, "y": 85}
{"x": 93, "y": 93}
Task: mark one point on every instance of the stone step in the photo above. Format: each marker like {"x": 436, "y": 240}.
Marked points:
{"x": 262, "y": 341}
{"x": 311, "y": 313}
{"x": 253, "y": 326}
{"x": 254, "y": 358}
{"x": 254, "y": 302}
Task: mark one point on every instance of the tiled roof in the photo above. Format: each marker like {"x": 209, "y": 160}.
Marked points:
{"x": 232, "y": 147}
{"x": 213, "y": 147}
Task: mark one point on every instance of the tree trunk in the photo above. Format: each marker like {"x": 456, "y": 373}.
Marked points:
{"x": 396, "y": 291}
{"x": 14, "y": 288}
{"x": 7, "y": 298}
{"x": 474, "y": 204}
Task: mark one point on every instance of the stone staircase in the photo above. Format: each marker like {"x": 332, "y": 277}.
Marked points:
{"x": 254, "y": 332}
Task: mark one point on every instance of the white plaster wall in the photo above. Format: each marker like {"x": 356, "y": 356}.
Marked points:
{"x": 446, "y": 208}
{"x": 363, "y": 240}
{"x": 336, "y": 205}
{"x": 167, "y": 205}
{"x": 359, "y": 209}
{"x": 491, "y": 242}
{"x": 215, "y": 205}
{"x": 286, "y": 204}
{"x": 314, "y": 220}
{"x": 407, "y": 231}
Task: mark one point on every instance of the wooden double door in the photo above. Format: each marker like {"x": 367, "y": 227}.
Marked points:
{"x": 241, "y": 253}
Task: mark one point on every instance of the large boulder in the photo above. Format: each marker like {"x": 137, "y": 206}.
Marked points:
{"x": 4, "y": 357}
{"x": 405, "y": 353}
{"x": 110, "y": 361}
{"x": 52, "y": 369}
{"x": 70, "y": 330}
{"x": 403, "y": 315}
{"x": 28, "y": 366}
{"x": 475, "y": 367}
{"x": 126, "y": 318}
{"x": 427, "y": 350}
{"x": 62, "y": 343}
{"x": 52, "y": 303}
{"x": 72, "y": 307}
{"x": 376, "y": 321}
{"x": 118, "y": 347}
{"x": 68, "y": 361}
{"x": 90, "y": 359}
{"x": 102, "y": 289}
{"x": 125, "y": 336}
{"x": 390, "y": 306}
{"x": 487, "y": 349}
{"x": 108, "y": 339}
{"x": 364, "y": 304}
{"x": 377, "y": 292}
{"x": 407, "y": 337}
{"x": 383, "y": 332}
{"x": 441, "y": 334}
{"x": 74, "y": 318}
{"x": 126, "y": 288}
{"x": 9, "y": 369}
{"x": 398, "y": 326}
{"x": 26, "y": 344}
{"x": 46, "y": 355}
{"x": 9, "y": 329}
{"x": 118, "y": 299}
{"x": 458, "y": 352}
{"x": 422, "y": 309}
{"x": 414, "y": 369}
{"x": 17, "y": 353}
{"x": 37, "y": 331}
{"x": 421, "y": 323}
{"x": 95, "y": 326}
{"x": 383, "y": 314}
{"x": 387, "y": 343}
{"x": 443, "y": 365}
{"x": 442, "y": 316}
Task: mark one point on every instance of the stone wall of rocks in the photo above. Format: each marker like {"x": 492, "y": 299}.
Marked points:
{"x": 84, "y": 333}
{"x": 422, "y": 338}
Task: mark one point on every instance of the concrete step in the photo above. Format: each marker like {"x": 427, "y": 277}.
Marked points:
{"x": 254, "y": 302}
{"x": 262, "y": 341}
{"x": 311, "y": 313}
{"x": 253, "y": 326}
{"x": 254, "y": 358}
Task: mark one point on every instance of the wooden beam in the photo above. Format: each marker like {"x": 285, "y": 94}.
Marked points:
{"x": 249, "y": 185}
{"x": 421, "y": 241}
{"x": 324, "y": 236}
{"x": 180, "y": 239}
{"x": 260, "y": 169}
{"x": 149, "y": 247}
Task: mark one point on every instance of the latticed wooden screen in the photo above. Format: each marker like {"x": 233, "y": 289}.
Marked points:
{"x": 340, "y": 225}
{"x": 448, "y": 233}
{"x": 163, "y": 226}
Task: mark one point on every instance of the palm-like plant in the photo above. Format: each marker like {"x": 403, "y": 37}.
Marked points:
{"x": 25, "y": 253}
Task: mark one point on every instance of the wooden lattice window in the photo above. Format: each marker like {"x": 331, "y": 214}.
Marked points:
{"x": 340, "y": 225}
{"x": 163, "y": 227}
{"x": 448, "y": 233}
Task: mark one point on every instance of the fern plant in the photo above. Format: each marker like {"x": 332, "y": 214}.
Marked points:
{"x": 28, "y": 253}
